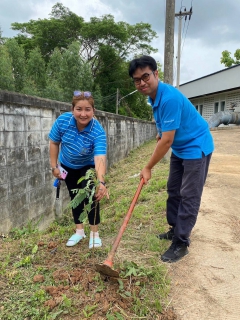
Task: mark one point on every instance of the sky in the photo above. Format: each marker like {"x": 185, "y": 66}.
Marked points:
{"x": 214, "y": 26}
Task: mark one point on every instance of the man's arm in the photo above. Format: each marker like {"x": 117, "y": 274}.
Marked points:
{"x": 163, "y": 145}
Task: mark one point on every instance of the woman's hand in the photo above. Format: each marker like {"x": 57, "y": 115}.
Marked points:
{"x": 101, "y": 192}
{"x": 57, "y": 174}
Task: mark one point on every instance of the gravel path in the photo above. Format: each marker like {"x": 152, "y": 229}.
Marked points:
{"x": 206, "y": 283}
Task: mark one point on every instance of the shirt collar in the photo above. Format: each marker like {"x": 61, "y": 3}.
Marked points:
{"x": 154, "y": 103}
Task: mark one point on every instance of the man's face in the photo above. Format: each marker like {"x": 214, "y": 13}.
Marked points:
{"x": 146, "y": 81}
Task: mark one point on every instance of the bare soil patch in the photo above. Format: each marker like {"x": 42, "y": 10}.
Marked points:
{"x": 206, "y": 283}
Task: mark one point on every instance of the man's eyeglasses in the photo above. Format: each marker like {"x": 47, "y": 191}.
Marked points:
{"x": 86, "y": 94}
{"x": 145, "y": 77}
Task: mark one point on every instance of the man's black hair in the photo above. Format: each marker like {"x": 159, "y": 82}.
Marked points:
{"x": 142, "y": 62}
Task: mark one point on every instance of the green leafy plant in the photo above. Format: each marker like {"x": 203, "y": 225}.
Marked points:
{"x": 88, "y": 311}
{"x": 30, "y": 228}
{"x": 85, "y": 193}
{"x": 132, "y": 269}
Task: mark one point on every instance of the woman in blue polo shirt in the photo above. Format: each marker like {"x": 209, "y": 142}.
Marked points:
{"x": 83, "y": 146}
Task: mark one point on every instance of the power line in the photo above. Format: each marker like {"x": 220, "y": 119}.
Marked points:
{"x": 180, "y": 16}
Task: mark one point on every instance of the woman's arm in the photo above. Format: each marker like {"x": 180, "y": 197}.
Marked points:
{"x": 54, "y": 150}
{"x": 100, "y": 167}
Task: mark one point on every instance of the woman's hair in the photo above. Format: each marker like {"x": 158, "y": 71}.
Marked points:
{"x": 142, "y": 62}
{"x": 82, "y": 96}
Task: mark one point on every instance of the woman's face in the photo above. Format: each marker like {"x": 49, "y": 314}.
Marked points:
{"x": 83, "y": 113}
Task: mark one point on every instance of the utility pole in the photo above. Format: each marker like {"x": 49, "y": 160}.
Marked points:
{"x": 180, "y": 16}
{"x": 169, "y": 41}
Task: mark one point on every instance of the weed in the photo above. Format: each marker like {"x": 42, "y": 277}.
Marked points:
{"x": 88, "y": 311}
{"x": 30, "y": 228}
{"x": 115, "y": 316}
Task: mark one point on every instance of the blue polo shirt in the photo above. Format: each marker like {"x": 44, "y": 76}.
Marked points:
{"x": 78, "y": 148}
{"x": 173, "y": 111}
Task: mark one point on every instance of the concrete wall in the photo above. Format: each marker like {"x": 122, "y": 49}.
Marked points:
{"x": 26, "y": 191}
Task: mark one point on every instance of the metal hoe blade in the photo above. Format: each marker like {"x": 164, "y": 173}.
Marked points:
{"x": 106, "y": 270}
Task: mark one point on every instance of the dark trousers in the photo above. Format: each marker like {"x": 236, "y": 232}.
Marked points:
{"x": 71, "y": 181}
{"x": 184, "y": 187}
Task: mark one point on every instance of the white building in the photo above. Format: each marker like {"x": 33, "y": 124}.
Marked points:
{"x": 219, "y": 91}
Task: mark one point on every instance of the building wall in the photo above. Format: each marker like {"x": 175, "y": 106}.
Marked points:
{"x": 26, "y": 191}
{"x": 223, "y": 80}
{"x": 217, "y": 102}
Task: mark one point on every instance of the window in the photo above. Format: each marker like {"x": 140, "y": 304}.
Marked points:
{"x": 201, "y": 109}
{"x": 222, "y": 105}
{"x": 196, "y": 107}
{"x": 216, "y": 107}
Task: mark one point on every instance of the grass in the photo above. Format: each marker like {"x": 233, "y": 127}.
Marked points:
{"x": 40, "y": 278}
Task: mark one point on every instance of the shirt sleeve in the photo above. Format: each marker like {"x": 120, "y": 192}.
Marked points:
{"x": 171, "y": 115}
{"x": 55, "y": 133}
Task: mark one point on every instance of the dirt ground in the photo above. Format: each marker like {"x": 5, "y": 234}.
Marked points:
{"x": 206, "y": 283}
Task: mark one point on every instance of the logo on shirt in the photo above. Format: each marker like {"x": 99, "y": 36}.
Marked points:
{"x": 169, "y": 121}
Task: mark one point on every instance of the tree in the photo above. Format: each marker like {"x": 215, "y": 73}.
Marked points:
{"x": 64, "y": 27}
{"x": 97, "y": 97}
{"x": 1, "y": 37}
{"x": 120, "y": 36}
{"x": 59, "y": 31}
{"x": 88, "y": 56}
{"x": 6, "y": 70}
{"x": 75, "y": 74}
{"x": 227, "y": 60}
{"x": 16, "y": 53}
{"x": 53, "y": 88}
{"x": 36, "y": 70}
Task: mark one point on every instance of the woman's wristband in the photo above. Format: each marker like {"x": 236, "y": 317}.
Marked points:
{"x": 104, "y": 183}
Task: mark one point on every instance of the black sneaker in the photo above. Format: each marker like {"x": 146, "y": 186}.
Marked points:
{"x": 167, "y": 235}
{"x": 176, "y": 251}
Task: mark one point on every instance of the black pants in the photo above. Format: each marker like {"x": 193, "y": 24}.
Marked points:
{"x": 185, "y": 186}
{"x": 71, "y": 181}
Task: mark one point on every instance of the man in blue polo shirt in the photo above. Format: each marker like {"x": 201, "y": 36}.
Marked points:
{"x": 183, "y": 129}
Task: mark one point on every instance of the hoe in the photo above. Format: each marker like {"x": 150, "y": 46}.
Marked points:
{"x": 106, "y": 268}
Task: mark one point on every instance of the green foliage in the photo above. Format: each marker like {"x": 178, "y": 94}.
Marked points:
{"x": 6, "y": 70}
{"x": 60, "y": 30}
{"x": 227, "y": 60}
{"x": 86, "y": 193}
{"x": 74, "y": 73}
{"x": 17, "y": 55}
{"x": 83, "y": 55}
{"x": 19, "y": 233}
{"x": 115, "y": 316}
{"x": 88, "y": 311}
{"x": 36, "y": 69}
{"x": 132, "y": 269}
{"x": 98, "y": 100}
{"x": 89, "y": 56}
{"x": 1, "y": 38}
{"x": 53, "y": 88}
